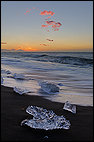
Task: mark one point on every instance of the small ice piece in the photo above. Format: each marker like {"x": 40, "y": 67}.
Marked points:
{"x": 8, "y": 72}
{"x": 20, "y": 91}
{"x": 60, "y": 84}
{"x": 45, "y": 137}
{"x": 2, "y": 80}
{"x": 45, "y": 119}
{"x": 69, "y": 107}
{"x": 49, "y": 87}
{"x": 5, "y": 71}
{"x": 18, "y": 76}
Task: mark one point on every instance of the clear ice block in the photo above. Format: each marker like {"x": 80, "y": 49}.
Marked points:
{"x": 20, "y": 91}
{"x": 69, "y": 107}
{"x": 45, "y": 119}
{"x": 49, "y": 87}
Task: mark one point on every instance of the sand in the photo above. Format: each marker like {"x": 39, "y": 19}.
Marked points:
{"x": 13, "y": 108}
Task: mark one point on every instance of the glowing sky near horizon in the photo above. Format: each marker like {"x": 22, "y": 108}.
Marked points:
{"x": 26, "y": 25}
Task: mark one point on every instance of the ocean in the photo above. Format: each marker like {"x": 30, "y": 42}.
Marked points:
{"x": 72, "y": 72}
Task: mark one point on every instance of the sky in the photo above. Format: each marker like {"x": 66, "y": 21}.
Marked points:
{"x": 47, "y": 25}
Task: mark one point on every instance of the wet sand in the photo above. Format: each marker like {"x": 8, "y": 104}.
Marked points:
{"x": 13, "y": 108}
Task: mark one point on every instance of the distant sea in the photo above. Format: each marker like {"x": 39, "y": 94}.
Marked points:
{"x": 74, "y": 70}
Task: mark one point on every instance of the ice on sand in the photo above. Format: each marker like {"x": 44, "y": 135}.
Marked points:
{"x": 69, "y": 107}
{"x": 20, "y": 91}
{"x": 45, "y": 119}
{"x": 49, "y": 87}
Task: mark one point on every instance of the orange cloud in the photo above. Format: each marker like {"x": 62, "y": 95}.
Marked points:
{"x": 44, "y": 25}
{"x": 3, "y": 43}
{"x": 26, "y": 48}
{"x": 53, "y": 24}
{"x": 45, "y": 12}
{"x": 44, "y": 44}
{"x": 28, "y": 11}
{"x": 49, "y": 39}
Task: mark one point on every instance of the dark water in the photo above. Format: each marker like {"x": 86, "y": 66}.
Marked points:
{"x": 72, "y": 58}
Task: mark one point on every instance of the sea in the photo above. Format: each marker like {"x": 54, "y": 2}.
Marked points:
{"x": 72, "y": 72}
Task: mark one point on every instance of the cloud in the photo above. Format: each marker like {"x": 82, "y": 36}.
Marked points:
{"x": 44, "y": 44}
{"x": 3, "y": 43}
{"x": 55, "y": 25}
{"x": 44, "y": 25}
{"x": 49, "y": 22}
{"x": 28, "y": 11}
{"x": 49, "y": 17}
{"x": 45, "y": 12}
{"x": 49, "y": 39}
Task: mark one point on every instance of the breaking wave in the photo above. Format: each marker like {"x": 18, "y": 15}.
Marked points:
{"x": 67, "y": 60}
{"x": 46, "y": 57}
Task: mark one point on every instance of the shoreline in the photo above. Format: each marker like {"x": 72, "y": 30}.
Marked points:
{"x": 13, "y": 108}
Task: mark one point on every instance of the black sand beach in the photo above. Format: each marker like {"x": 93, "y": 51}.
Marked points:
{"x": 13, "y": 108}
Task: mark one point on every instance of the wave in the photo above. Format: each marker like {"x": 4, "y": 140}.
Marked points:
{"x": 53, "y": 57}
{"x": 34, "y": 55}
{"x": 66, "y": 60}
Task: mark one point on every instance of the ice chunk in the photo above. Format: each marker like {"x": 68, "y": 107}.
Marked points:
{"x": 18, "y": 76}
{"x": 39, "y": 113}
{"x": 60, "y": 84}
{"x": 2, "y": 80}
{"x": 49, "y": 87}
{"x": 8, "y": 72}
{"x": 45, "y": 119}
{"x": 5, "y": 71}
{"x": 45, "y": 137}
{"x": 20, "y": 91}
{"x": 69, "y": 107}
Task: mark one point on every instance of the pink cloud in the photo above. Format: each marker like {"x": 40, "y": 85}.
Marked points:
{"x": 49, "y": 17}
{"x": 44, "y": 44}
{"x": 49, "y": 39}
{"x": 33, "y": 9}
{"x": 44, "y": 25}
{"x": 53, "y": 24}
{"x": 28, "y": 11}
{"x": 56, "y": 29}
{"x": 58, "y": 24}
{"x": 45, "y": 12}
{"x": 49, "y": 22}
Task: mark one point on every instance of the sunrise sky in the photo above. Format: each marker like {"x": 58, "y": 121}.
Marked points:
{"x": 21, "y": 25}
